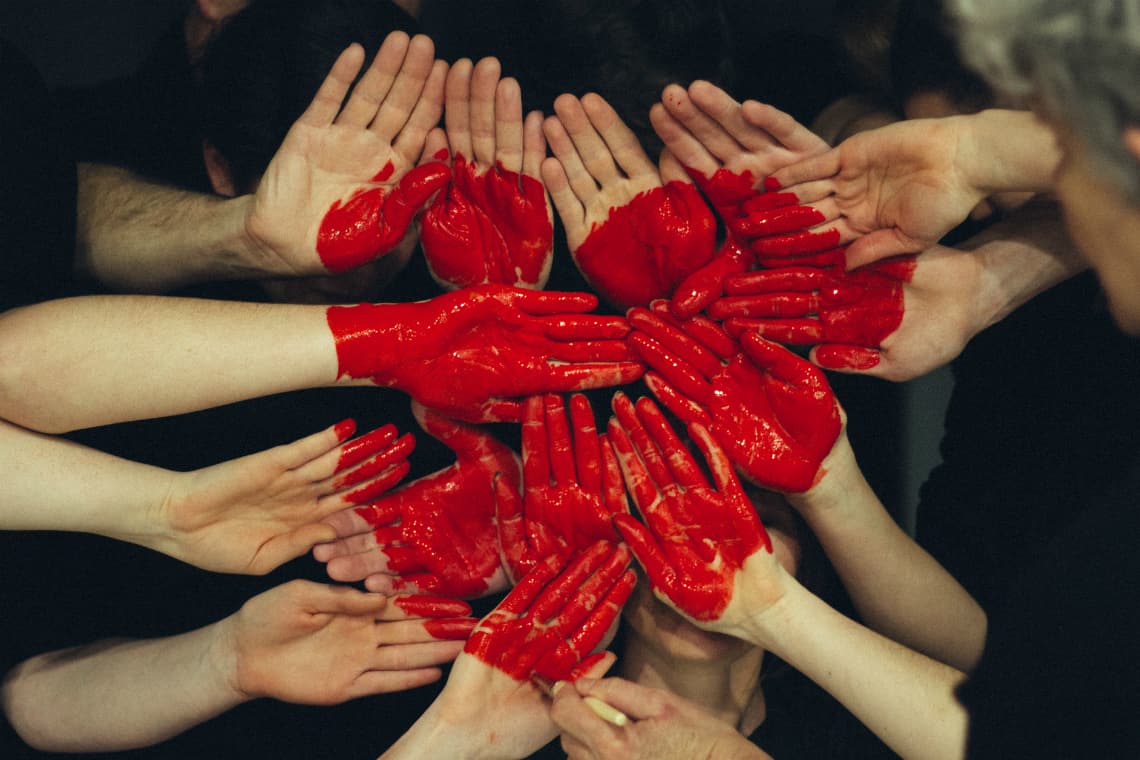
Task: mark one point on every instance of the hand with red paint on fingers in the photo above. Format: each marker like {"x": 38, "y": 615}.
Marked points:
{"x": 493, "y": 223}
{"x": 729, "y": 149}
{"x": 847, "y": 316}
{"x": 547, "y": 626}
{"x": 702, "y": 545}
{"x": 633, "y": 236}
{"x": 572, "y": 487}
{"x": 662, "y": 725}
{"x": 473, "y": 354}
{"x": 344, "y": 186}
{"x": 904, "y": 186}
{"x": 773, "y": 412}
{"x": 252, "y": 514}
{"x": 435, "y": 534}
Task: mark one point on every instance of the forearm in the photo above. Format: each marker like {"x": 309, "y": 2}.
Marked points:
{"x": 81, "y": 362}
{"x": 1020, "y": 257}
{"x": 897, "y": 588}
{"x": 1005, "y": 150}
{"x": 905, "y": 698}
{"x": 118, "y": 695}
{"x": 134, "y": 235}
{"x": 55, "y": 484}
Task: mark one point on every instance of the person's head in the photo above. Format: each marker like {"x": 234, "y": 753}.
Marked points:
{"x": 257, "y": 76}
{"x": 1078, "y": 63}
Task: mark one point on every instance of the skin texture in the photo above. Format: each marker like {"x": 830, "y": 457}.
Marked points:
{"x": 493, "y": 223}
{"x": 356, "y": 161}
{"x": 436, "y": 534}
{"x": 548, "y": 624}
{"x": 572, "y": 487}
{"x": 695, "y": 537}
{"x": 473, "y": 353}
{"x": 773, "y": 412}
{"x": 728, "y": 149}
{"x": 634, "y": 235}
{"x": 846, "y": 315}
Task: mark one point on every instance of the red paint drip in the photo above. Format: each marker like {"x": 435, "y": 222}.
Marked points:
{"x": 646, "y": 248}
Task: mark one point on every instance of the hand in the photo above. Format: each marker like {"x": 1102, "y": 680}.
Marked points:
{"x": 902, "y": 187}
{"x": 633, "y": 237}
{"x": 313, "y": 644}
{"x": 729, "y": 149}
{"x": 847, "y": 316}
{"x": 252, "y": 514}
{"x": 663, "y": 726}
{"x": 695, "y": 539}
{"x": 548, "y": 624}
{"x": 435, "y": 534}
{"x": 342, "y": 189}
{"x": 493, "y": 223}
{"x": 474, "y": 353}
{"x": 572, "y": 488}
{"x": 772, "y": 411}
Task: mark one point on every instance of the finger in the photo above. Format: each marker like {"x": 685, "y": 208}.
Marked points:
{"x": 401, "y": 99}
{"x": 681, "y": 406}
{"x": 585, "y": 327}
{"x": 780, "y": 362}
{"x": 685, "y": 379}
{"x": 330, "y": 95}
{"x": 581, "y": 182}
{"x": 783, "y": 128}
{"x": 570, "y": 209}
{"x": 841, "y": 358}
{"x": 343, "y": 600}
{"x": 511, "y": 525}
{"x": 622, "y": 143}
{"x": 414, "y": 656}
{"x": 682, "y": 144}
{"x": 613, "y": 487}
{"x": 534, "y": 145}
{"x": 704, "y": 126}
{"x": 683, "y": 467}
{"x": 386, "y": 682}
{"x": 435, "y": 147}
{"x": 280, "y": 549}
{"x": 411, "y": 142}
{"x": 704, "y": 286}
{"x": 724, "y": 474}
{"x": 508, "y": 140}
{"x": 581, "y": 377}
{"x": 376, "y": 82}
{"x": 768, "y": 306}
{"x": 557, "y": 442}
{"x": 457, "y": 107}
{"x": 568, "y": 599}
{"x": 424, "y": 606}
{"x": 637, "y": 701}
{"x": 467, "y": 441}
{"x": 370, "y": 481}
{"x": 790, "y": 332}
{"x": 785, "y": 279}
{"x": 821, "y": 166}
{"x": 796, "y": 243}
{"x": 879, "y": 245}
{"x": 548, "y": 302}
{"x": 587, "y": 448}
{"x": 647, "y": 450}
{"x": 671, "y": 169}
{"x": 596, "y": 157}
{"x": 484, "y": 82}
{"x": 356, "y": 566}
{"x": 536, "y": 455}
{"x": 413, "y": 583}
{"x": 633, "y": 470}
{"x": 585, "y": 622}
{"x": 671, "y": 335}
{"x": 643, "y": 544}
{"x": 359, "y": 449}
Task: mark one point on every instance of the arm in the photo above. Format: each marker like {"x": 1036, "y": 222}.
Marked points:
{"x": 248, "y": 515}
{"x": 904, "y": 186}
{"x": 300, "y": 642}
{"x": 81, "y": 362}
{"x": 341, "y": 190}
{"x": 493, "y": 223}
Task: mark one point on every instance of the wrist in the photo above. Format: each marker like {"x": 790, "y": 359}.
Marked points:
{"x": 371, "y": 340}
{"x": 839, "y": 477}
{"x": 1005, "y": 150}
{"x": 439, "y": 732}
{"x": 223, "y": 661}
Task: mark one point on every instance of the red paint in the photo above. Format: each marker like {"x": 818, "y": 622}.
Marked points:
{"x": 796, "y": 244}
{"x": 489, "y": 226}
{"x": 553, "y": 619}
{"x": 773, "y": 412}
{"x": 846, "y": 357}
{"x": 705, "y": 285}
{"x": 355, "y": 452}
{"x": 695, "y": 537}
{"x": 646, "y": 248}
{"x": 422, "y": 605}
{"x": 437, "y": 533}
{"x": 571, "y": 486}
{"x": 821, "y": 305}
{"x": 344, "y": 430}
{"x": 451, "y": 629}
{"x": 473, "y": 353}
{"x": 374, "y": 219}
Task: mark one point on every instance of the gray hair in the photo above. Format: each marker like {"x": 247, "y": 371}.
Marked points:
{"x": 1080, "y": 59}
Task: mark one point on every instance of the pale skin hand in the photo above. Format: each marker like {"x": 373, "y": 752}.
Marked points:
{"x": 252, "y": 514}
{"x": 328, "y": 156}
{"x": 598, "y": 164}
{"x": 663, "y": 725}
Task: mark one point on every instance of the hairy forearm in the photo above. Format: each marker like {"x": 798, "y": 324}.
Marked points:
{"x": 1022, "y": 256}
{"x": 117, "y": 695}
{"x": 898, "y": 589}
{"x": 89, "y": 491}
{"x": 81, "y": 362}
{"x": 1005, "y": 150}
{"x": 905, "y": 698}
{"x": 135, "y": 235}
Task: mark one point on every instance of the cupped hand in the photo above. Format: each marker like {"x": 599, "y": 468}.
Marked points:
{"x": 252, "y": 514}
{"x": 474, "y": 354}
{"x": 633, "y": 236}
{"x": 343, "y": 187}
{"x": 436, "y": 534}
{"x": 774, "y": 413}
{"x": 572, "y": 487}
{"x": 493, "y": 223}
